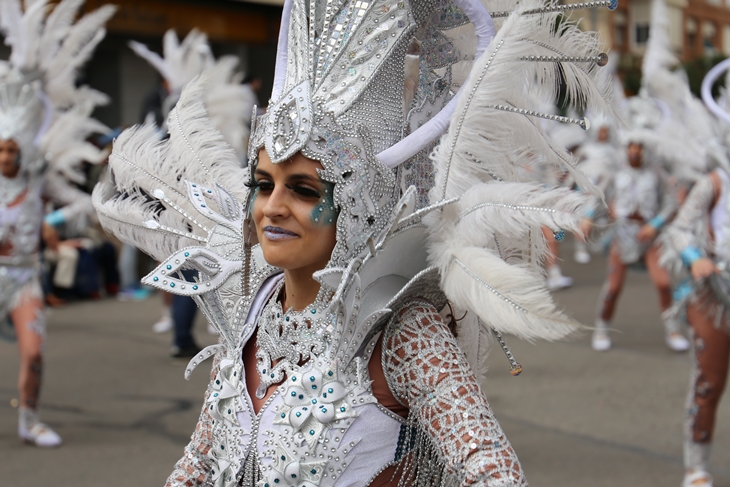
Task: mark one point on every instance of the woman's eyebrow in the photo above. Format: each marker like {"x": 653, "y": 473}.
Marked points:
{"x": 261, "y": 172}
{"x": 304, "y": 177}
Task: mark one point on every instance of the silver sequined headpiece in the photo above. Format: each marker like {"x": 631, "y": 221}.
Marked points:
{"x": 363, "y": 86}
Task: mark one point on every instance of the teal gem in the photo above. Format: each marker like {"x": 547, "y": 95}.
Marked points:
{"x": 187, "y": 254}
{"x": 155, "y": 278}
{"x": 311, "y": 432}
{"x": 342, "y": 409}
{"x": 195, "y": 288}
{"x": 172, "y": 284}
{"x": 169, "y": 267}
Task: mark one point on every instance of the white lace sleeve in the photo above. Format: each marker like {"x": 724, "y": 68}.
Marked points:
{"x": 194, "y": 468}
{"x": 427, "y": 371}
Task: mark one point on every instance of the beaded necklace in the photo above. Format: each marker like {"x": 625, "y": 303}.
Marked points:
{"x": 288, "y": 338}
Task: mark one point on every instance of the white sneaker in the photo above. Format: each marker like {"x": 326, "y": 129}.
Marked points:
{"x": 582, "y": 256}
{"x": 33, "y": 431}
{"x": 600, "y": 341}
{"x": 163, "y": 325}
{"x": 555, "y": 283}
{"x": 676, "y": 342}
{"x": 697, "y": 478}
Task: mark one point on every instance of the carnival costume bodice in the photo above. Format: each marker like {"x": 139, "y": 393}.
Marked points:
{"x": 323, "y": 425}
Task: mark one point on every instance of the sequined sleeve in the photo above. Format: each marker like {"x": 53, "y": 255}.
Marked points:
{"x": 193, "y": 469}
{"x": 428, "y": 372}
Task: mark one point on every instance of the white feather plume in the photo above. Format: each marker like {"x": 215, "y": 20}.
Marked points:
{"x": 144, "y": 167}
{"x": 489, "y": 245}
{"x": 228, "y": 103}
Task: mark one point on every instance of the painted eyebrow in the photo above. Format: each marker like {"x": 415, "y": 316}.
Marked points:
{"x": 292, "y": 177}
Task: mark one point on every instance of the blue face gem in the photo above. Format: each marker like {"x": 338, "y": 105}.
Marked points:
{"x": 169, "y": 267}
{"x": 195, "y": 185}
{"x": 272, "y": 376}
{"x": 196, "y": 194}
{"x": 187, "y": 254}
{"x": 559, "y": 235}
{"x": 172, "y": 284}
{"x": 314, "y": 386}
{"x": 287, "y": 318}
{"x": 301, "y": 396}
{"x": 324, "y": 409}
{"x": 293, "y": 394}
{"x": 283, "y": 457}
{"x": 330, "y": 390}
{"x": 293, "y": 475}
{"x": 342, "y": 409}
{"x": 298, "y": 414}
{"x": 313, "y": 471}
{"x": 283, "y": 415}
{"x": 195, "y": 288}
{"x": 330, "y": 373}
{"x": 229, "y": 411}
{"x": 311, "y": 378}
{"x": 314, "y": 311}
{"x": 209, "y": 191}
{"x": 311, "y": 432}
{"x": 314, "y": 401}
{"x": 215, "y": 395}
{"x": 155, "y": 278}
{"x": 324, "y": 394}
{"x": 294, "y": 379}
{"x": 276, "y": 481}
{"x": 202, "y": 206}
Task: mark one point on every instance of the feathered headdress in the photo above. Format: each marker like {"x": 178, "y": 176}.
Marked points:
{"x": 367, "y": 88}
{"x": 228, "y": 103}
{"x": 41, "y": 107}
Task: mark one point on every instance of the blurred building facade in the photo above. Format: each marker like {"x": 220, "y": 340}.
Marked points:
{"x": 698, "y": 28}
{"x": 246, "y": 29}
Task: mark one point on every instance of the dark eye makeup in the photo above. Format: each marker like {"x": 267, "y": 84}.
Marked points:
{"x": 264, "y": 185}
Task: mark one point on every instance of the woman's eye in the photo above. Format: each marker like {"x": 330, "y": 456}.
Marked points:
{"x": 305, "y": 191}
{"x": 265, "y": 185}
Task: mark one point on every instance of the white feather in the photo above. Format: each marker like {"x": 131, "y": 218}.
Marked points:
{"x": 489, "y": 245}
{"x": 142, "y": 164}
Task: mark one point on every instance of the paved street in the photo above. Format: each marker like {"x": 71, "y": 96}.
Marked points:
{"x": 575, "y": 417}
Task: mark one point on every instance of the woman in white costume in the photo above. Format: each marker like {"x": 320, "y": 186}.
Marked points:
{"x": 335, "y": 366}
{"x": 44, "y": 121}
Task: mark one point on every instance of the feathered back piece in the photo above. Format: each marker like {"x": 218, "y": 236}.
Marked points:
{"x": 48, "y": 49}
{"x": 228, "y": 103}
{"x": 489, "y": 245}
{"x": 162, "y": 193}
{"x": 681, "y": 134}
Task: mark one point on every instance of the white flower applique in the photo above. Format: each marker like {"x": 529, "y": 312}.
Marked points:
{"x": 223, "y": 406}
{"x": 290, "y": 472}
{"x": 313, "y": 401}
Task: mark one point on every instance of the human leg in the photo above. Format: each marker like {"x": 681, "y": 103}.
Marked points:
{"x": 615, "y": 275}
{"x": 709, "y": 375}
{"x": 660, "y": 277}
{"x": 556, "y": 280}
{"x": 28, "y": 319}
{"x": 183, "y": 316}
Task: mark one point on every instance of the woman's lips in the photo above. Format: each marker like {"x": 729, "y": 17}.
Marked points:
{"x": 277, "y": 233}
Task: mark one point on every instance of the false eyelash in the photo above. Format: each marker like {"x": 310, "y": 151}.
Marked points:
{"x": 312, "y": 193}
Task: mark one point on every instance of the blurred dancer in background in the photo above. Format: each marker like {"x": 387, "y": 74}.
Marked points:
{"x": 44, "y": 121}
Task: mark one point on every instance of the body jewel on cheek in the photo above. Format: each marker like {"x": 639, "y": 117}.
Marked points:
{"x": 324, "y": 212}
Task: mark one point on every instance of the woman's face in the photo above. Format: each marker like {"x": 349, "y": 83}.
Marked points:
{"x": 9, "y": 152}
{"x": 294, "y": 213}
